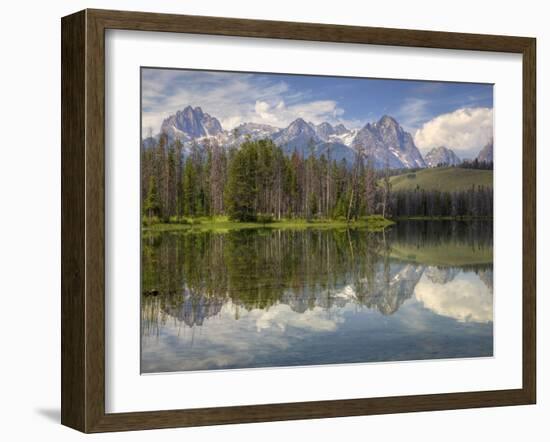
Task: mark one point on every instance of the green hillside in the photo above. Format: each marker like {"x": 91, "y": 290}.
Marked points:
{"x": 442, "y": 178}
{"x": 443, "y": 255}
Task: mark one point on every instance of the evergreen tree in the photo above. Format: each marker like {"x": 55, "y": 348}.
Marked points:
{"x": 258, "y": 178}
{"x": 241, "y": 190}
{"x": 151, "y": 206}
{"x": 190, "y": 194}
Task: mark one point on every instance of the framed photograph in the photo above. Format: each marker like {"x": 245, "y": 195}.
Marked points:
{"x": 268, "y": 220}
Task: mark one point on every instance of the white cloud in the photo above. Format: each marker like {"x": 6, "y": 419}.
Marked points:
{"x": 277, "y": 113}
{"x": 465, "y": 130}
{"x": 223, "y": 95}
{"x": 465, "y": 298}
{"x": 232, "y": 98}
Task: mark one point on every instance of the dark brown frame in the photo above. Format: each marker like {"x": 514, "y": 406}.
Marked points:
{"x": 83, "y": 216}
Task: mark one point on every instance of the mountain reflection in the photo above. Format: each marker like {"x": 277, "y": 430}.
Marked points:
{"x": 312, "y": 279}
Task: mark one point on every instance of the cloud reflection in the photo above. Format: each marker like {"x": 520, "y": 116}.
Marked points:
{"x": 282, "y": 316}
{"x": 465, "y": 298}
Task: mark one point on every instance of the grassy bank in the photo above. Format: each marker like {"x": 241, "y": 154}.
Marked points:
{"x": 445, "y": 179}
{"x": 222, "y": 223}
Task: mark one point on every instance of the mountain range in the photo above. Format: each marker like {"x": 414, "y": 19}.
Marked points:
{"x": 384, "y": 142}
{"x": 441, "y": 156}
{"x": 486, "y": 153}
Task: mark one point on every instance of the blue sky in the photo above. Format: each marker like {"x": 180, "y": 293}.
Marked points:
{"x": 455, "y": 114}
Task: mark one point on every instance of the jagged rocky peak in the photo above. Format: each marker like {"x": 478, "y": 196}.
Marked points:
{"x": 387, "y": 143}
{"x": 297, "y": 135}
{"x": 254, "y": 131}
{"x": 299, "y": 126}
{"x": 198, "y": 111}
{"x": 388, "y": 122}
{"x": 486, "y": 154}
{"x": 391, "y": 131}
{"x": 325, "y": 130}
{"x": 212, "y": 125}
{"x": 441, "y": 156}
{"x": 340, "y": 129}
{"x": 250, "y": 127}
{"x": 191, "y": 123}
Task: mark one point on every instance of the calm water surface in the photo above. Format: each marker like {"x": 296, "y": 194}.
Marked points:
{"x": 267, "y": 298}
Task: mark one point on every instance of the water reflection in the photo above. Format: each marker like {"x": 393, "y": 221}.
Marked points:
{"x": 462, "y": 297}
{"x": 258, "y": 298}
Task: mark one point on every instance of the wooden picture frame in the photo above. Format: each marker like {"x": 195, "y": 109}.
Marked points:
{"x": 83, "y": 220}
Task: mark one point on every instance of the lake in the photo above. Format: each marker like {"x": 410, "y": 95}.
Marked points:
{"x": 281, "y": 297}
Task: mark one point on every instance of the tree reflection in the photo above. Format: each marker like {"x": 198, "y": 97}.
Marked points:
{"x": 188, "y": 277}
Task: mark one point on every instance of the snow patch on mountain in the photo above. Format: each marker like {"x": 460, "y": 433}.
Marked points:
{"x": 384, "y": 142}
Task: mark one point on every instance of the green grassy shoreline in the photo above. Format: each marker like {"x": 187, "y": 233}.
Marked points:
{"x": 222, "y": 223}
{"x": 375, "y": 222}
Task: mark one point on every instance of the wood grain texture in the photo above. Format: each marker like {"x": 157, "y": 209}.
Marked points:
{"x": 83, "y": 220}
{"x": 95, "y": 221}
{"x": 73, "y": 253}
{"x": 144, "y": 21}
{"x": 529, "y": 220}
